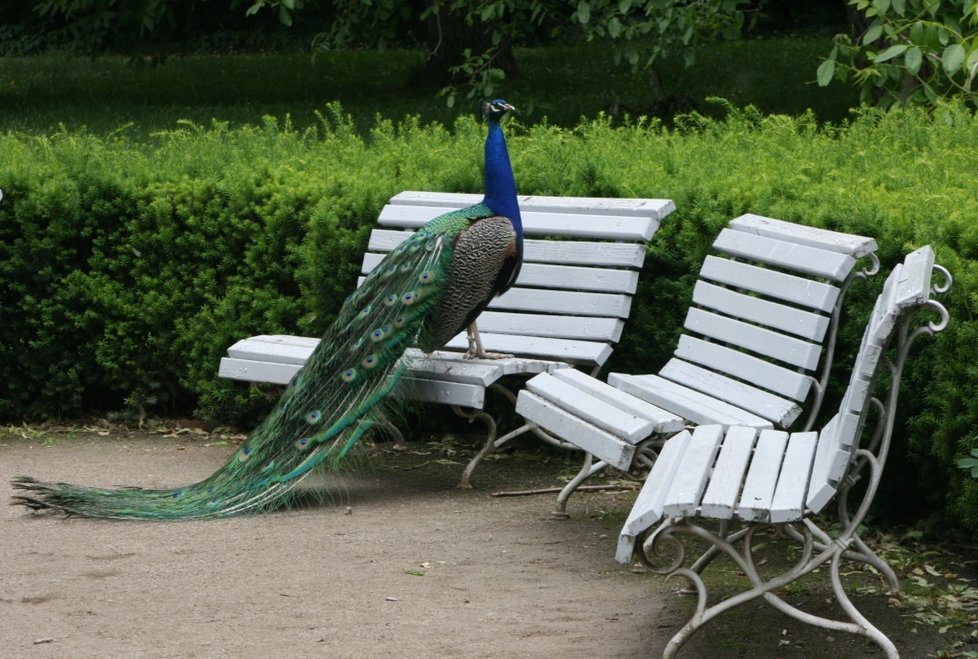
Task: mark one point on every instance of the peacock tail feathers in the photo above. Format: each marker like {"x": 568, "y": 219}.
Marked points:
{"x": 424, "y": 292}
{"x": 326, "y": 408}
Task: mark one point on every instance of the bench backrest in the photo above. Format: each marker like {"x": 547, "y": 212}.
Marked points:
{"x": 581, "y": 263}
{"x": 764, "y": 315}
{"x": 907, "y": 288}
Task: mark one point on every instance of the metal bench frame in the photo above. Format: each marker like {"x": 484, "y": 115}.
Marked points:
{"x": 693, "y": 486}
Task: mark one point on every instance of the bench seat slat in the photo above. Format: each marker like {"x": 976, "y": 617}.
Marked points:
{"x": 445, "y": 365}
{"x": 779, "y": 410}
{"x": 720, "y": 498}
{"x": 663, "y": 421}
{"x": 691, "y": 405}
{"x": 693, "y": 471}
{"x": 440, "y": 391}
{"x": 622, "y": 423}
{"x": 788, "y": 349}
{"x": 782, "y": 254}
{"x": 762, "y": 476}
{"x": 251, "y": 370}
{"x": 780, "y": 380}
{"x": 594, "y": 440}
{"x": 578, "y": 352}
{"x": 648, "y": 506}
{"x": 771, "y": 283}
{"x": 788, "y": 503}
{"x": 801, "y": 323}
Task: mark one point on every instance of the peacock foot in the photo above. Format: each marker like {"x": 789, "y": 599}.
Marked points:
{"x": 480, "y": 353}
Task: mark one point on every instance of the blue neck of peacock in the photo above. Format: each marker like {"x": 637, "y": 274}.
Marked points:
{"x": 500, "y": 187}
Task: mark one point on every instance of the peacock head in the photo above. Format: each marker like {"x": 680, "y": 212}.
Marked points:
{"x": 496, "y": 109}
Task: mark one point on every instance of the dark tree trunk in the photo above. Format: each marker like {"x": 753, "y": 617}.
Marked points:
{"x": 857, "y": 21}
{"x": 448, "y": 35}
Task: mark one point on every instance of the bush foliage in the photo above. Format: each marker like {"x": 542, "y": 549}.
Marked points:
{"x": 127, "y": 268}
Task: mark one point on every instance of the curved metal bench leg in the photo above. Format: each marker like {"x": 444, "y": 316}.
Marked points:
{"x": 588, "y": 469}
{"x": 465, "y": 482}
{"x": 760, "y": 587}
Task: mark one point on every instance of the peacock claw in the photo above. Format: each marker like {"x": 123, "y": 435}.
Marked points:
{"x": 476, "y": 351}
{"x": 482, "y": 354}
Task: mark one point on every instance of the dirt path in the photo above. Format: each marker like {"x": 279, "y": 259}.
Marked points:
{"x": 400, "y": 565}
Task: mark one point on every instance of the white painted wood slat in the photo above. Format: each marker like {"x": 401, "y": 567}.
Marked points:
{"x": 845, "y": 243}
{"x": 788, "y": 503}
{"x": 691, "y": 405}
{"x": 554, "y": 276}
{"x": 592, "y": 439}
{"x": 663, "y": 421}
{"x": 545, "y": 223}
{"x": 589, "y": 352}
{"x": 439, "y": 391}
{"x": 581, "y": 252}
{"x": 779, "y": 410}
{"x": 279, "y": 348}
{"x": 573, "y": 303}
{"x": 721, "y": 494}
{"x": 252, "y": 370}
{"x": 782, "y": 254}
{"x": 564, "y": 252}
{"x": 772, "y": 377}
{"x": 693, "y": 471}
{"x": 623, "y": 424}
{"x": 807, "y": 325}
{"x": 648, "y": 506}
{"x": 771, "y": 283}
{"x": 762, "y": 476}
{"x": 586, "y": 328}
{"x": 561, "y": 302}
{"x": 600, "y": 205}
{"x": 760, "y": 340}
{"x": 444, "y": 365}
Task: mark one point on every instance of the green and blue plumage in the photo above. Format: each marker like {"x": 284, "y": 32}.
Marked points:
{"x": 432, "y": 286}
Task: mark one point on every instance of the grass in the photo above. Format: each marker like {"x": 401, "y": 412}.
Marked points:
{"x": 559, "y": 84}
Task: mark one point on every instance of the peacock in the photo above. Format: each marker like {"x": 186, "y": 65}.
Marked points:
{"x": 427, "y": 290}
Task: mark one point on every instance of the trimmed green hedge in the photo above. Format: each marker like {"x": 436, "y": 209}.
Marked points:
{"x": 126, "y": 269}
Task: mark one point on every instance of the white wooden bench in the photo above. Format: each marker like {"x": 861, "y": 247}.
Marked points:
{"x": 582, "y": 258}
{"x": 745, "y": 478}
{"x": 757, "y": 344}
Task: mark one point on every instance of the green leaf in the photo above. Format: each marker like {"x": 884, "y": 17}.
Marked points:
{"x": 900, "y": 7}
{"x": 917, "y": 34}
{"x": 826, "y": 70}
{"x": 953, "y": 57}
{"x": 583, "y": 12}
{"x": 913, "y": 60}
{"x": 614, "y": 27}
{"x": 284, "y": 16}
{"x": 873, "y": 33}
{"x": 972, "y": 59}
{"x": 624, "y": 6}
{"x": 882, "y": 5}
{"x": 890, "y": 53}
